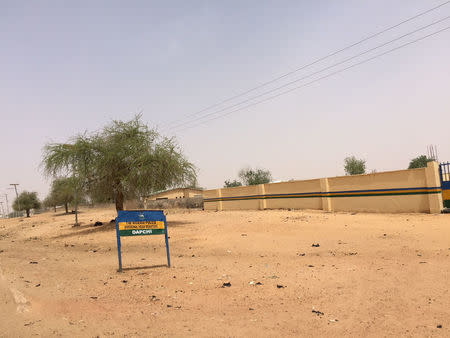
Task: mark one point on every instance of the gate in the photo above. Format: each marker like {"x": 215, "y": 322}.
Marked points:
{"x": 444, "y": 172}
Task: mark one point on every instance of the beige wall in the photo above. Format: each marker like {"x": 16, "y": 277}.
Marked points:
{"x": 293, "y": 187}
{"x": 392, "y": 204}
{"x": 413, "y": 178}
{"x": 415, "y": 190}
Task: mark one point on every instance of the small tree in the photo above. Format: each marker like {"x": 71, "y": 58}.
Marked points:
{"x": 419, "y": 162}
{"x": 354, "y": 166}
{"x": 231, "y": 184}
{"x": 26, "y": 201}
{"x": 251, "y": 176}
{"x": 63, "y": 191}
{"x": 50, "y": 202}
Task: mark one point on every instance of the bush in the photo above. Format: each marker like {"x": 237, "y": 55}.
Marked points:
{"x": 419, "y": 162}
{"x": 178, "y": 203}
{"x": 354, "y": 166}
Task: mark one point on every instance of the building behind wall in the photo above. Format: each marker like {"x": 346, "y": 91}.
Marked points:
{"x": 175, "y": 194}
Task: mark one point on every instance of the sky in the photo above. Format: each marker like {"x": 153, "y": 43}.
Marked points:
{"x": 72, "y": 66}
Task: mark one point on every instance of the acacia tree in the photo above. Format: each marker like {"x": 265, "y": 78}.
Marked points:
{"x": 354, "y": 166}
{"x": 122, "y": 161}
{"x": 26, "y": 201}
{"x": 251, "y": 176}
{"x": 419, "y": 162}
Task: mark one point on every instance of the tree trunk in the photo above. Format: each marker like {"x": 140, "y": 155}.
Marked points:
{"x": 76, "y": 209}
{"x": 28, "y": 212}
{"x": 67, "y": 208}
{"x": 76, "y": 214}
{"x": 119, "y": 200}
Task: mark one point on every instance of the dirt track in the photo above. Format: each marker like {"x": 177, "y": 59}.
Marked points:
{"x": 372, "y": 275}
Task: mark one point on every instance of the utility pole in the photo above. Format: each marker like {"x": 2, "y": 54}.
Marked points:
{"x": 7, "y": 204}
{"x": 17, "y": 195}
{"x": 3, "y": 210}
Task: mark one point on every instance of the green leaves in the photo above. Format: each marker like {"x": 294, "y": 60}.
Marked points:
{"x": 419, "y": 162}
{"x": 354, "y": 166}
{"x": 251, "y": 176}
{"x": 231, "y": 184}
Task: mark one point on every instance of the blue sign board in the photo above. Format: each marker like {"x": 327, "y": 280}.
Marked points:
{"x": 140, "y": 223}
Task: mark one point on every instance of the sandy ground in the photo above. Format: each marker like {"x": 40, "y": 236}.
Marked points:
{"x": 371, "y": 275}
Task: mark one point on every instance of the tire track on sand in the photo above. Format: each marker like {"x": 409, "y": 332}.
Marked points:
{"x": 22, "y": 303}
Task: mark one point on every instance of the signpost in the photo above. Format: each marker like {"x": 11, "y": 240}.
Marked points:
{"x": 140, "y": 223}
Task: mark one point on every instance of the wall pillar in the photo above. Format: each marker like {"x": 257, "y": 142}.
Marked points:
{"x": 262, "y": 201}
{"x": 433, "y": 180}
{"x": 220, "y": 203}
{"x": 326, "y": 201}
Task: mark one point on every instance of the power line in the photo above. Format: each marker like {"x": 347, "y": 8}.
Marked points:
{"x": 310, "y": 64}
{"x": 346, "y": 60}
{"x": 321, "y": 78}
{"x": 309, "y": 75}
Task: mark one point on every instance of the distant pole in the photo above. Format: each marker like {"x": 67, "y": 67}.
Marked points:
{"x": 7, "y": 204}
{"x": 3, "y": 210}
{"x": 17, "y": 195}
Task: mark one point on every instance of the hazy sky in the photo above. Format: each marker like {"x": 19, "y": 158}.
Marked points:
{"x": 71, "y": 66}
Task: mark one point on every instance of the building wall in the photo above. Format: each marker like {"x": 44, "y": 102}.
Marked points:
{"x": 415, "y": 190}
{"x": 388, "y": 200}
{"x": 189, "y": 193}
{"x": 176, "y": 193}
{"x": 281, "y": 195}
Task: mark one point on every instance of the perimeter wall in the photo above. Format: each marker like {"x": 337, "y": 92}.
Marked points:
{"x": 413, "y": 190}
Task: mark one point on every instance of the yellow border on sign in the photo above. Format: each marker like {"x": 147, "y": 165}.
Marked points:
{"x": 141, "y": 225}
{"x": 446, "y": 194}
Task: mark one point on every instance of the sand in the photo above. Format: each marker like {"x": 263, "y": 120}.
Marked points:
{"x": 371, "y": 275}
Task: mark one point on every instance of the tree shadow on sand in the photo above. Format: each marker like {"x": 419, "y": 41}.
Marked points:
{"x": 66, "y": 214}
{"x": 89, "y": 229}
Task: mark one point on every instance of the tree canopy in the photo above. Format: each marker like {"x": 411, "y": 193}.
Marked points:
{"x": 231, "y": 184}
{"x": 419, "y": 162}
{"x": 251, "y": 176}
{"x": 354, "y": 166}
{"x": 26, "y": 201}
{"x": 124, "y": 160}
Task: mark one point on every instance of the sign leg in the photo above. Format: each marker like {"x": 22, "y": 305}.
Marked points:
{"x": 167, "y": 243}
{"x": 119, "y": 247}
